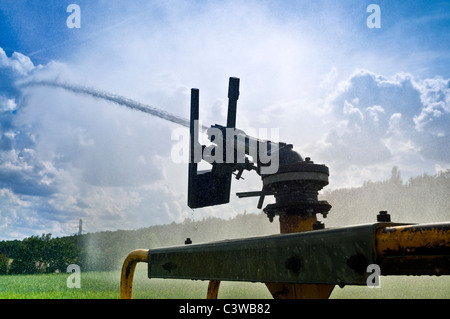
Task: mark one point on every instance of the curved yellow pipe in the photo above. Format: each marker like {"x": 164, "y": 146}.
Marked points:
{"x": 129, "y": 265}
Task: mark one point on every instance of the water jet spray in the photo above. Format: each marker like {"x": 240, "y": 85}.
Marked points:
{"x": 114, "y": 98}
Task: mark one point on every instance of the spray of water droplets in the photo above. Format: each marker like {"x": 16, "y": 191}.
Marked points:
{"x": 117, "y": 99}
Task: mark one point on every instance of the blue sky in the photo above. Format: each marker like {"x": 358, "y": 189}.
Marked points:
{"x": 360, "y": 100}
{"x": 37, "y": 29}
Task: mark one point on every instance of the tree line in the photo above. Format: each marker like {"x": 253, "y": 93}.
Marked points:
{"x": 37, "y": 254}
{"x": 420, "y": 199}
{"x": 105, "y": 251}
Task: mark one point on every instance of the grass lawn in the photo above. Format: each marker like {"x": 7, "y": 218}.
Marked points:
{"x": 105, "y": 285}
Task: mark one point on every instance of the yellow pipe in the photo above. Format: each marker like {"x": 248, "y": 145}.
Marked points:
{"x": 410, "y": 238}
{"x": 129, "y": 265}
{"x": 414, "y": 249}
{"x": 213, "y": 289}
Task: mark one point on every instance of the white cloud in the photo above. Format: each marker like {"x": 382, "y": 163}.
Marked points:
{"x": 386, "y": 121}
{"x": 7, "y": 104}
{"x": 435, "y": 96}
{"x": 374, "y": 112}
{"x": 18, "y": 62}
{"x": 67, "y": 157}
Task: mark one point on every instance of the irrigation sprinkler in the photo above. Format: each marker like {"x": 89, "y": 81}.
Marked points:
{"x": 306, "y": 260}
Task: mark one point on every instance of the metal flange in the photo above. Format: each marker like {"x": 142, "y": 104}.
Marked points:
{"x": 295, "y": 187}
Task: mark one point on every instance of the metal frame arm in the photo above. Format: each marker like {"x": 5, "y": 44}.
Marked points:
{"x": 128, "y": 268}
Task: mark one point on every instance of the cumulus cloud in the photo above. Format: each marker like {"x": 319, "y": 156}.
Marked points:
{"x": 65, "y": 157}
{"x": 17, "y": 63}
{"x": 26, "y": 181}
{"x": 19, "y": 168}
{"x": 387, "y": 121}
{"x": 435, "y": 97}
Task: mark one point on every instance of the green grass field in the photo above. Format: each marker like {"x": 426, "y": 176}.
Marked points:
{"x": 105, "y": 285}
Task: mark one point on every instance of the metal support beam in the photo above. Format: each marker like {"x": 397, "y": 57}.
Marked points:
{"x": 321, "y": 257}
{"x": 329, "y": 256}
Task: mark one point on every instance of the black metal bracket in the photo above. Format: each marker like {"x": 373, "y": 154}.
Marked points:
{"x": 210, "y": 187}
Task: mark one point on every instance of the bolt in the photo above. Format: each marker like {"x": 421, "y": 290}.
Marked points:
{"x": 318, "y": 225}
{"x": 270, "y": 215}
{"x": 169, "y": 266}
{"x": 383, "y": 216}
{"x": 293, "y": 263}
{"x": 358, "y": 262}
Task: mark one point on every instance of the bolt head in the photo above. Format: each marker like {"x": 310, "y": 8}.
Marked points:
{"x": 383, "y": 216}
{"x": 318, "y": 225}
